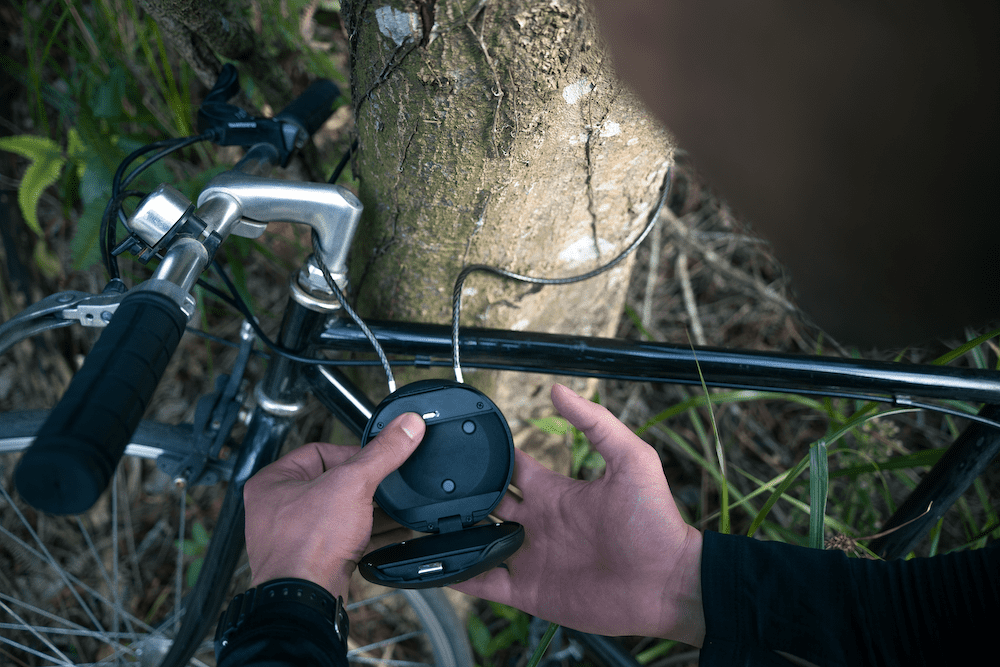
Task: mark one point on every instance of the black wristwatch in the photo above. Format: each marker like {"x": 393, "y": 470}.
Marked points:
{"x": 281, "y": 590}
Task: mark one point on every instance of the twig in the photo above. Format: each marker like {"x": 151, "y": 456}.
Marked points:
{"x": 723, "y": 265}
{"x": 689, "y": 302}
{"x": 655, "y": 243}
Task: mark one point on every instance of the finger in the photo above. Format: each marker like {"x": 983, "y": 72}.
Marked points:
{"x": 528, "y": 474}
{"x": 389, "y": 449}
{"x": 495, "y": 585}
{"x": 309, "y": 461}
{"x": 615, "y": 441}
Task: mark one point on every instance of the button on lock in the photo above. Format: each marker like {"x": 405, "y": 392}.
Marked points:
{"x": 469, "y": 426}
{"x": 448, "y": 485}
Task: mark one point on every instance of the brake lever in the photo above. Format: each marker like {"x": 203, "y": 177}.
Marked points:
{"x": 96, "y": 310}
{"x": 61, "y": 310}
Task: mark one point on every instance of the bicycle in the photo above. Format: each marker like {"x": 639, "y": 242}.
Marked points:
{"x": 186, "y": 235}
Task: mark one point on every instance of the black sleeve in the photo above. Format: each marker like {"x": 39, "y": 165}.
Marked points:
{"x": 290, "y": 634}
{"x": 831, "y": 610}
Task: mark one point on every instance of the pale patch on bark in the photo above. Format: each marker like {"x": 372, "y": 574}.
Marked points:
{"x": 575, "y": 91}
{"x": 399, "y": 26}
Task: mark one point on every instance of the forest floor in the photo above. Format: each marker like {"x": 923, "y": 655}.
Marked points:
{"x": 703, "y": 277}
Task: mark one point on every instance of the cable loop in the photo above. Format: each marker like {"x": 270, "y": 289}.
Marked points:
{"x": 456, "y": 296}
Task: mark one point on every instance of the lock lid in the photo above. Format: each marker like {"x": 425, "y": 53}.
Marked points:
{"x": 443, "y": 559}
{"x": 462, "y": 467}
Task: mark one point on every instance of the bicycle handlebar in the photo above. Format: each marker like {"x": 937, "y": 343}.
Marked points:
{"x": 311, "y": 109}
{"x": 76, "y": 451}
{"x": 78, "y": 448}
{"x": 231, "y": 126}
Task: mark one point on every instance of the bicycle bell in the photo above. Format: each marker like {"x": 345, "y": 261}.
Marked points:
{"x": 454, "y": 479}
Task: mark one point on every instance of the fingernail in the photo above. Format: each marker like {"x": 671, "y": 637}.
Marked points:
{"x": 410, "y": 422}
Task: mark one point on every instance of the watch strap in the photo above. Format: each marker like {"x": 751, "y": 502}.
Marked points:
{"x": 277, "y": 591}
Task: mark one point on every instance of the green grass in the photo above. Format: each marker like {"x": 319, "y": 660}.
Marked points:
{"x": 846, "y": 483}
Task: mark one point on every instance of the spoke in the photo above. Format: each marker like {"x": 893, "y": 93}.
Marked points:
{"x": 104, "y": 574}
{"x": 49, "y": 559}
{"x": 70, "y": 632}
{"x": 372, "y": 600}
{"x": 74, "y": 582}
{"x": 365, "y": 660}
{"x": 179, "y": 575}
{"x": 35, "y": 632}
{"x": 116, "y": 591}
{"x": 135, "y": 477}
{"x": 48, "y": 658}
{"x": 41, "y": 612}
{"x": 387, "y": 642}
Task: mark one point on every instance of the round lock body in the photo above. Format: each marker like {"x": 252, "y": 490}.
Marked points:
{"x": 462, "y": 467}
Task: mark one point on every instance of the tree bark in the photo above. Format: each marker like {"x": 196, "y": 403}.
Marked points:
{"x": 490, "y": 131}
{"x": 496, "y": 132}
{"x": 201, "y": 31}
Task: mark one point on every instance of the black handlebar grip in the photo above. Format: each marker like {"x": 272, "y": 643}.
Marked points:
{"x": 311, "y": 109}
{"x": 76, "y": 451}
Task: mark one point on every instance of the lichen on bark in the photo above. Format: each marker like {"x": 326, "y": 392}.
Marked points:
{"x": 499, "y": 135}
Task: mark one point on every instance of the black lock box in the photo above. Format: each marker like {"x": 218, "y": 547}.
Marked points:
{"x": 454, "y": 479}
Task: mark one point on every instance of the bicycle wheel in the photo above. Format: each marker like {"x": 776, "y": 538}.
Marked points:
{"x": 108, "y": 587}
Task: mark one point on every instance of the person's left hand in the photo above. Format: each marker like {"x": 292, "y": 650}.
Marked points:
{"x": 309, "y": 515}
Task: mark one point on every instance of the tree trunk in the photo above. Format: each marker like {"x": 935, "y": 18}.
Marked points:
{"x": 496, "y": 133}
{"x": 201, "y": 31}
{"x": 490, "y": 131}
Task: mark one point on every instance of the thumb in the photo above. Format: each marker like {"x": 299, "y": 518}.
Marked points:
{"x": 615, "y": 441}
{"x": 390, "y": 448}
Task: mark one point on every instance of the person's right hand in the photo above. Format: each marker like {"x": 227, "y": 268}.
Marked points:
{"x": 610, "y": 556}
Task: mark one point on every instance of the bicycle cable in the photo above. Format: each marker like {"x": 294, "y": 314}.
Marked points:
{"x": 456, "y": 298}
{"x": 113, "y": 210}
{"x": 364, "y": 327}
{"x": 335, "y": 176}
{"x": 237, "y": 301}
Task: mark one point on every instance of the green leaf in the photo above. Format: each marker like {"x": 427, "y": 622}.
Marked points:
{"x": 776, "y": 494}
{"x": 503, "y": 611}
{"x": 819, "y": 479}
{"x": 194, "y": 569}
{"x": 199, "y": 533}
{"x": 46, "y": 261}
{"x": 106, "y": 98}
{"x": 925, "y": 457}
{"x": 503, "y": 639}
{"x": 47, "y": 161}
{"x": 594, "y": 460}
{"x": 192, "y": 548}
{"x": 479, "y": 636}
{"x": 544, "y": 645}
{"x": 962, "y": 349}
{"x": 554, "y": 425}
{"x": 95, "y": 190}
{"x": 657, "y": 651}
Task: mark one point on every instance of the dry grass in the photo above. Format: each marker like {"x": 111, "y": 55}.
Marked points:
{"x": 705, "y": 275}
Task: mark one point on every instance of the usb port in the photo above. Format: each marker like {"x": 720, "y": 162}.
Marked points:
{"x": 430, "y": 568}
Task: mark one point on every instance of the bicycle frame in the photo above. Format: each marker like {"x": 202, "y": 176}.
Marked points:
{"x": 309, "y": 325}
{"x": 310, "y": 330}
{"x": 660, "y": 362}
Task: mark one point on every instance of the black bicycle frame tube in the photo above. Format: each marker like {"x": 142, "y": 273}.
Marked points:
{"x": 341, "y": 397}
{"x": 557, "y": 354}
{"x": 283, "y": 389}
{"x": 961, "y": 464}
{"x": 263, "y": 441}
